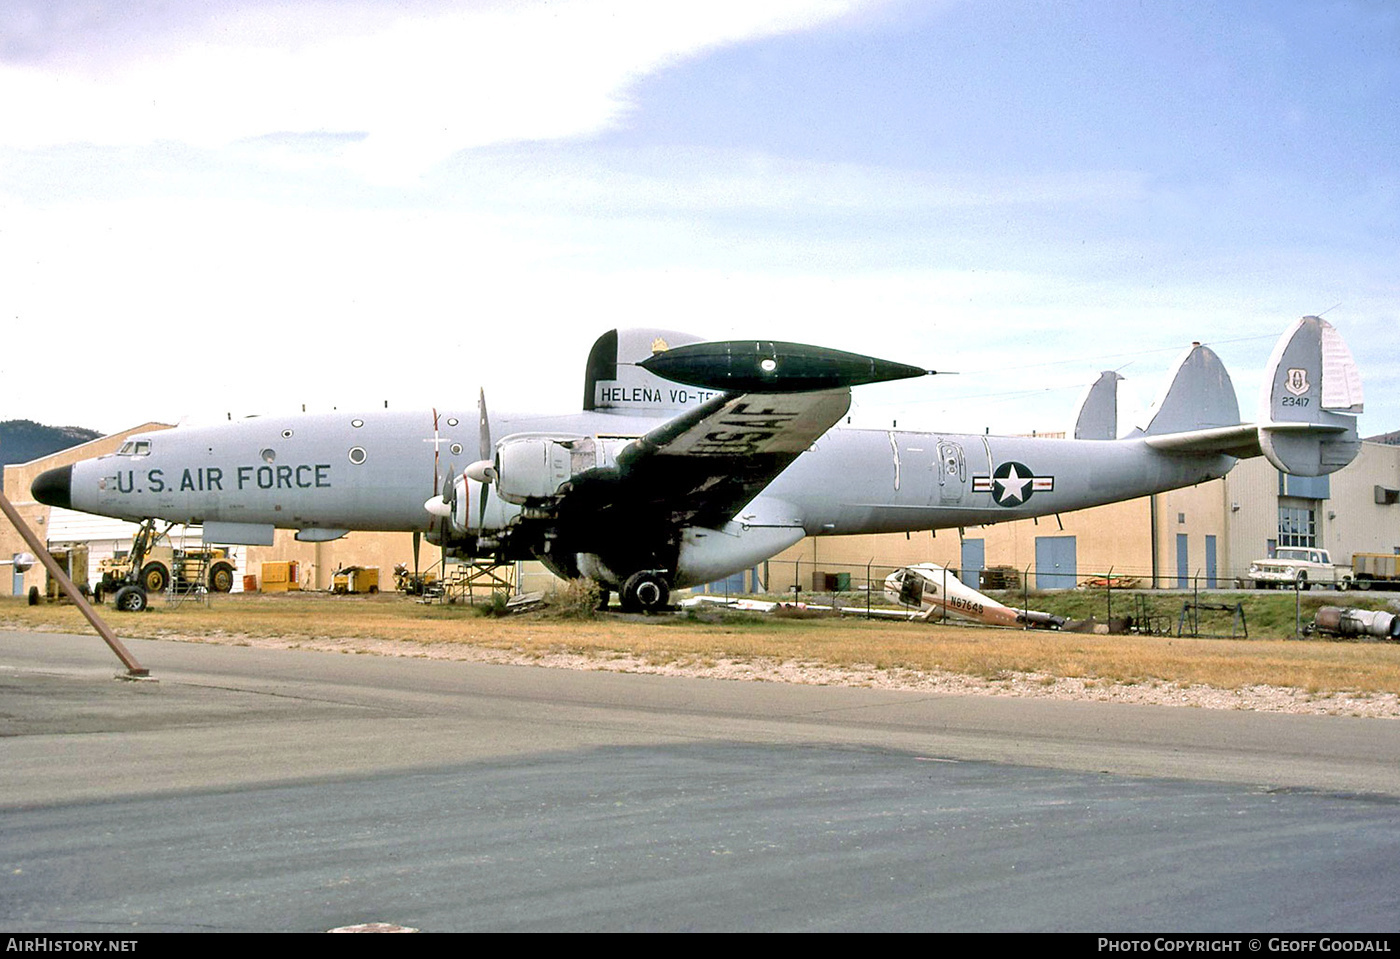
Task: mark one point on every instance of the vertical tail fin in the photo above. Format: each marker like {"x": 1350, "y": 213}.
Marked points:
{"x": 1098, "y": 411}
{"x": 1200, "y": 396}
{"x": 1312, "y": 393}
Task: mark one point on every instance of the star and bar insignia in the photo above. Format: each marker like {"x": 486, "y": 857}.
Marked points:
{"x": 1012, "y": 483}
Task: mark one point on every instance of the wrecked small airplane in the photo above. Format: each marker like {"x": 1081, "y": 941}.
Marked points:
{"x": 933, "y": 588}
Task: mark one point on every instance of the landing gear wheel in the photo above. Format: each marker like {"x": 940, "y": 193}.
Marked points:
{"x": 1303, "y": 583}
{"x": 155, "y": 578}
{"x": 646, "y": 591}
{"x": 130, "y": 599}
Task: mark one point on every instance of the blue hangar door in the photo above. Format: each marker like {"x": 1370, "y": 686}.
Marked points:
{"x": 1055, "y": 562}
{"x": 974, "y": 560}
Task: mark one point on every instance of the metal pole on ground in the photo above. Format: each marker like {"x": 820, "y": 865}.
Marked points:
{"x": 133, "y": 668}
{"x": 1196, "y": 601}
{"x": 1025, "y": 595}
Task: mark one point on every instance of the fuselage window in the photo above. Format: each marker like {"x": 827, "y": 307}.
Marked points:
{"x": 357, "y": 455}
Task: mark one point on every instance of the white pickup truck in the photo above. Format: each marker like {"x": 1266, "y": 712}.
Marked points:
{"x": 1303, "y": 566}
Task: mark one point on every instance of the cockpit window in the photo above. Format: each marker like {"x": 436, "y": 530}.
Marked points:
{"x": 143, "y": 448}
{"x": 135, "y": 448}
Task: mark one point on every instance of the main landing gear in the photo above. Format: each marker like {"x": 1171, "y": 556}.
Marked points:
{"x": 646, "y": 592}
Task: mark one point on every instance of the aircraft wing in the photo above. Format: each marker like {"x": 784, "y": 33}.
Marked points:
{"x": 702, "y": 467}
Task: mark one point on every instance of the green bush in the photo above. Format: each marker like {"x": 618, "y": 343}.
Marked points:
{"x": 495, "y": 606}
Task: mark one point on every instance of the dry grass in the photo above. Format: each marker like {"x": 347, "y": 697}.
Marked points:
{"x": 1319, "y": 666}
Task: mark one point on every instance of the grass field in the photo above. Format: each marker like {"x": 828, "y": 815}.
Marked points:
{"x": 399, "y": 625}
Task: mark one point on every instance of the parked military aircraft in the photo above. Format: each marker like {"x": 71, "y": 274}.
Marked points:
{"x": 692, "y": 460}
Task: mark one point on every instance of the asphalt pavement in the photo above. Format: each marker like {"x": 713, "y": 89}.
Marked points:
{"x": 248, "y": 790}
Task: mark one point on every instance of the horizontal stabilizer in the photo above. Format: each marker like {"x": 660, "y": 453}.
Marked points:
{"x": 1312, "y": 391}
{"x": 1307, "y": 422}
{"x": 1241, "y": 441}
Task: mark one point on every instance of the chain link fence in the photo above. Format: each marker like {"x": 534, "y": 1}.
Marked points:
{"x": 1183, "y": 604}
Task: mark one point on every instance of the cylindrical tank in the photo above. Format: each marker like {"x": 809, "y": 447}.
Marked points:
{"x": 1357, "y": 622}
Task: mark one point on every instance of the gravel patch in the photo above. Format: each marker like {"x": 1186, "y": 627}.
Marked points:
{"x": 1275, "y": 699}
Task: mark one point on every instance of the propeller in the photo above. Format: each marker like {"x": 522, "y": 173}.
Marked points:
{"x": 432, "y": 504}
{"x": 446, "y": 504}
{"x": 486, "y": 455}
{"x": 417, "y": 545}
{"x": 449, "y": 489}
{"x": 444, "y": 497}
{"x": 441, "y": 503}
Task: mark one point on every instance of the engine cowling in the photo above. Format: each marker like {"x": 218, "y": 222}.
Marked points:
{"x": 468, "y": 515}
{"x": 530, "y": 468}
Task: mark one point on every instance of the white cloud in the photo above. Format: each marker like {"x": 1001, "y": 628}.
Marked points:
{"x": 421, "y": 86}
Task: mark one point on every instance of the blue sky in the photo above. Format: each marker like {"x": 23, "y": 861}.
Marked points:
{"x": 342, "y": 203}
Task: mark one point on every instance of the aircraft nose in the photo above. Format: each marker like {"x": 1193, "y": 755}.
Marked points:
{"x": 54, "y": 487}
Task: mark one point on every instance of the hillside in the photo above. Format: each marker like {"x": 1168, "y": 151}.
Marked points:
{"x": 25, "y": 440}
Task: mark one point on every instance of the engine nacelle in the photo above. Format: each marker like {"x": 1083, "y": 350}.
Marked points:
{"x": 707, "y": 555}
{"x": 531, "y": 467}
{"x": 468, "y": 512}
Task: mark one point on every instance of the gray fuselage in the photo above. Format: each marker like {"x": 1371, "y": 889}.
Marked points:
{"x": 374, "y": 470}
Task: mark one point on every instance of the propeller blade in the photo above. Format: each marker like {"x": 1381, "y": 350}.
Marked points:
{"x": 431, "y": 503}
{"x": 437, "y": 448}
{"x": 440, "y": 504}
{"x": 486, "y": 454}
{"x": 485, "y": 425}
